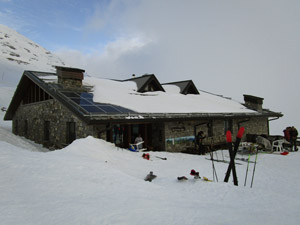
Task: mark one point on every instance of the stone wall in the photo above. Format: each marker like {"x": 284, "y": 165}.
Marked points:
{"x": 179, "y": 136}
{"x": 158, "y": 136}
{"x": 30, "y": 118}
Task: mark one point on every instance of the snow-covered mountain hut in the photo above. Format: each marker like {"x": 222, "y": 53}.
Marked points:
{"x": 54, "y": 109}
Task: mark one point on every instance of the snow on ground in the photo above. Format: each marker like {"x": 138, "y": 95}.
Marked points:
{"x": 93, "y": 182}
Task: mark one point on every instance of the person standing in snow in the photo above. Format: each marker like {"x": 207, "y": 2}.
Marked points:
{"x": 199, "y": 141}
{"x": 293, "y": 137}
{"x": 287, "y": 134}
{"x": 137, "y": 140}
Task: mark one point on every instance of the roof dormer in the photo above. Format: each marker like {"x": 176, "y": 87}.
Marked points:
{"x": 147, "y": 83}
{"x": 186, "y": 87}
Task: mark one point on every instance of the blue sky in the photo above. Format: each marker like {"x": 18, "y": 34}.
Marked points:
{"x": 231, "y": 47}
{"x": 54, "y": 24}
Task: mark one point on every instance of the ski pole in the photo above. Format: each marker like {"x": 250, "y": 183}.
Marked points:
{"x": 161, "y": 158}
{"x": 223, "y": 155}
{"x": 254, "y": 167}
{"x": 213, "y": 166}
{"x": 247, "y": 170}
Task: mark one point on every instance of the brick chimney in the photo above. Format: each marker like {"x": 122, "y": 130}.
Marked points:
{"x": 69, "y": 77}
{"x": 253, "y": 102}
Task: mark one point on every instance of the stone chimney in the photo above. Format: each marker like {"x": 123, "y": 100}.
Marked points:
{"x": 69, "y": 77}
{"x": 253, "y": 102}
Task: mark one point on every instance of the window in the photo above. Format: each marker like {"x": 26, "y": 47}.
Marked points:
{"x": 210, "y": 132}
{"x": 16, "y": 127}
{"x": 228, "y": 125}
{"x": 46, "y": 130}
{"x": 26, "y": 128}
{"x": 35, "y": 94}
{"x": 71, "y": 134}
{"x": 160, "y": 135}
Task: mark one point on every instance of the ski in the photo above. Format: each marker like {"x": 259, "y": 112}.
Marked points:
{"x": 223, "y": 161}
{"x": 247, "y": 170}
{"x": 231, "y": 164}
{"x": 233, "y": 153}
{"x": 206, "y": 179}
{"x": 245, "y": 160}
{"x": 213, "y": 166}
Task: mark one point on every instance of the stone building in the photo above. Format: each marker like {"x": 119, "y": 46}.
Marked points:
{"x": 54, "y": 109}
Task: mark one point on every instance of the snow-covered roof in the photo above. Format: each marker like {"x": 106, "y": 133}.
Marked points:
{"x": 171, "y": 101}
{"x": 186, "y": 86}
{"x": 102, "y": 99}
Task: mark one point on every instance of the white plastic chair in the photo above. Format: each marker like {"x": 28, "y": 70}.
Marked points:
{"x": 277, "y": 146}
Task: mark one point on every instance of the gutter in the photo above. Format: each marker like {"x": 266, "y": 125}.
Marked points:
{"x": 243, "y": 121}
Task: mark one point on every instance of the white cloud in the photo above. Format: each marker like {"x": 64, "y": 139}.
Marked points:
{"x": 107, "y": 61}
{"x": 229, "y": 48}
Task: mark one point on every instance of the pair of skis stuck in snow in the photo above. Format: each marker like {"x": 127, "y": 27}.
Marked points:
{"x": 232, "y": 154}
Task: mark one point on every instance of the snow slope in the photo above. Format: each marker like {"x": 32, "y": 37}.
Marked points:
{"x": 18, "y": 53}
{"x": 93, "y": 182}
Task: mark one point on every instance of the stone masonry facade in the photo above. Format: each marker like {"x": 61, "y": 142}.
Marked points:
{"x": 29, "y": 121}
{"x": 179, "y": 135}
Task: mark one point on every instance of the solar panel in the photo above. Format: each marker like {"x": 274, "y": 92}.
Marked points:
{"x": 86, "y": 95}
{"x": 70, "y": 94}
{"x": 108, "y": 108}
{"x": 92, "y": 109}
{"x": 81, "y": 101}
{"x": 85, "y": 101}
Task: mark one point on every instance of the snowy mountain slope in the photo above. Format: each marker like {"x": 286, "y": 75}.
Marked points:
{"x": 18, "y": 53}
{"x": 93, "y": 182}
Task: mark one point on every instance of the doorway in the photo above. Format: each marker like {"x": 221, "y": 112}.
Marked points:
{"x": 125, "y": 134}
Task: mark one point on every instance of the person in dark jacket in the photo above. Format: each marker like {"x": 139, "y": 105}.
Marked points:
{"x": 293, "y": 138}
{"x": 287, "y": 134}
{"x": 199, "y": 141}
